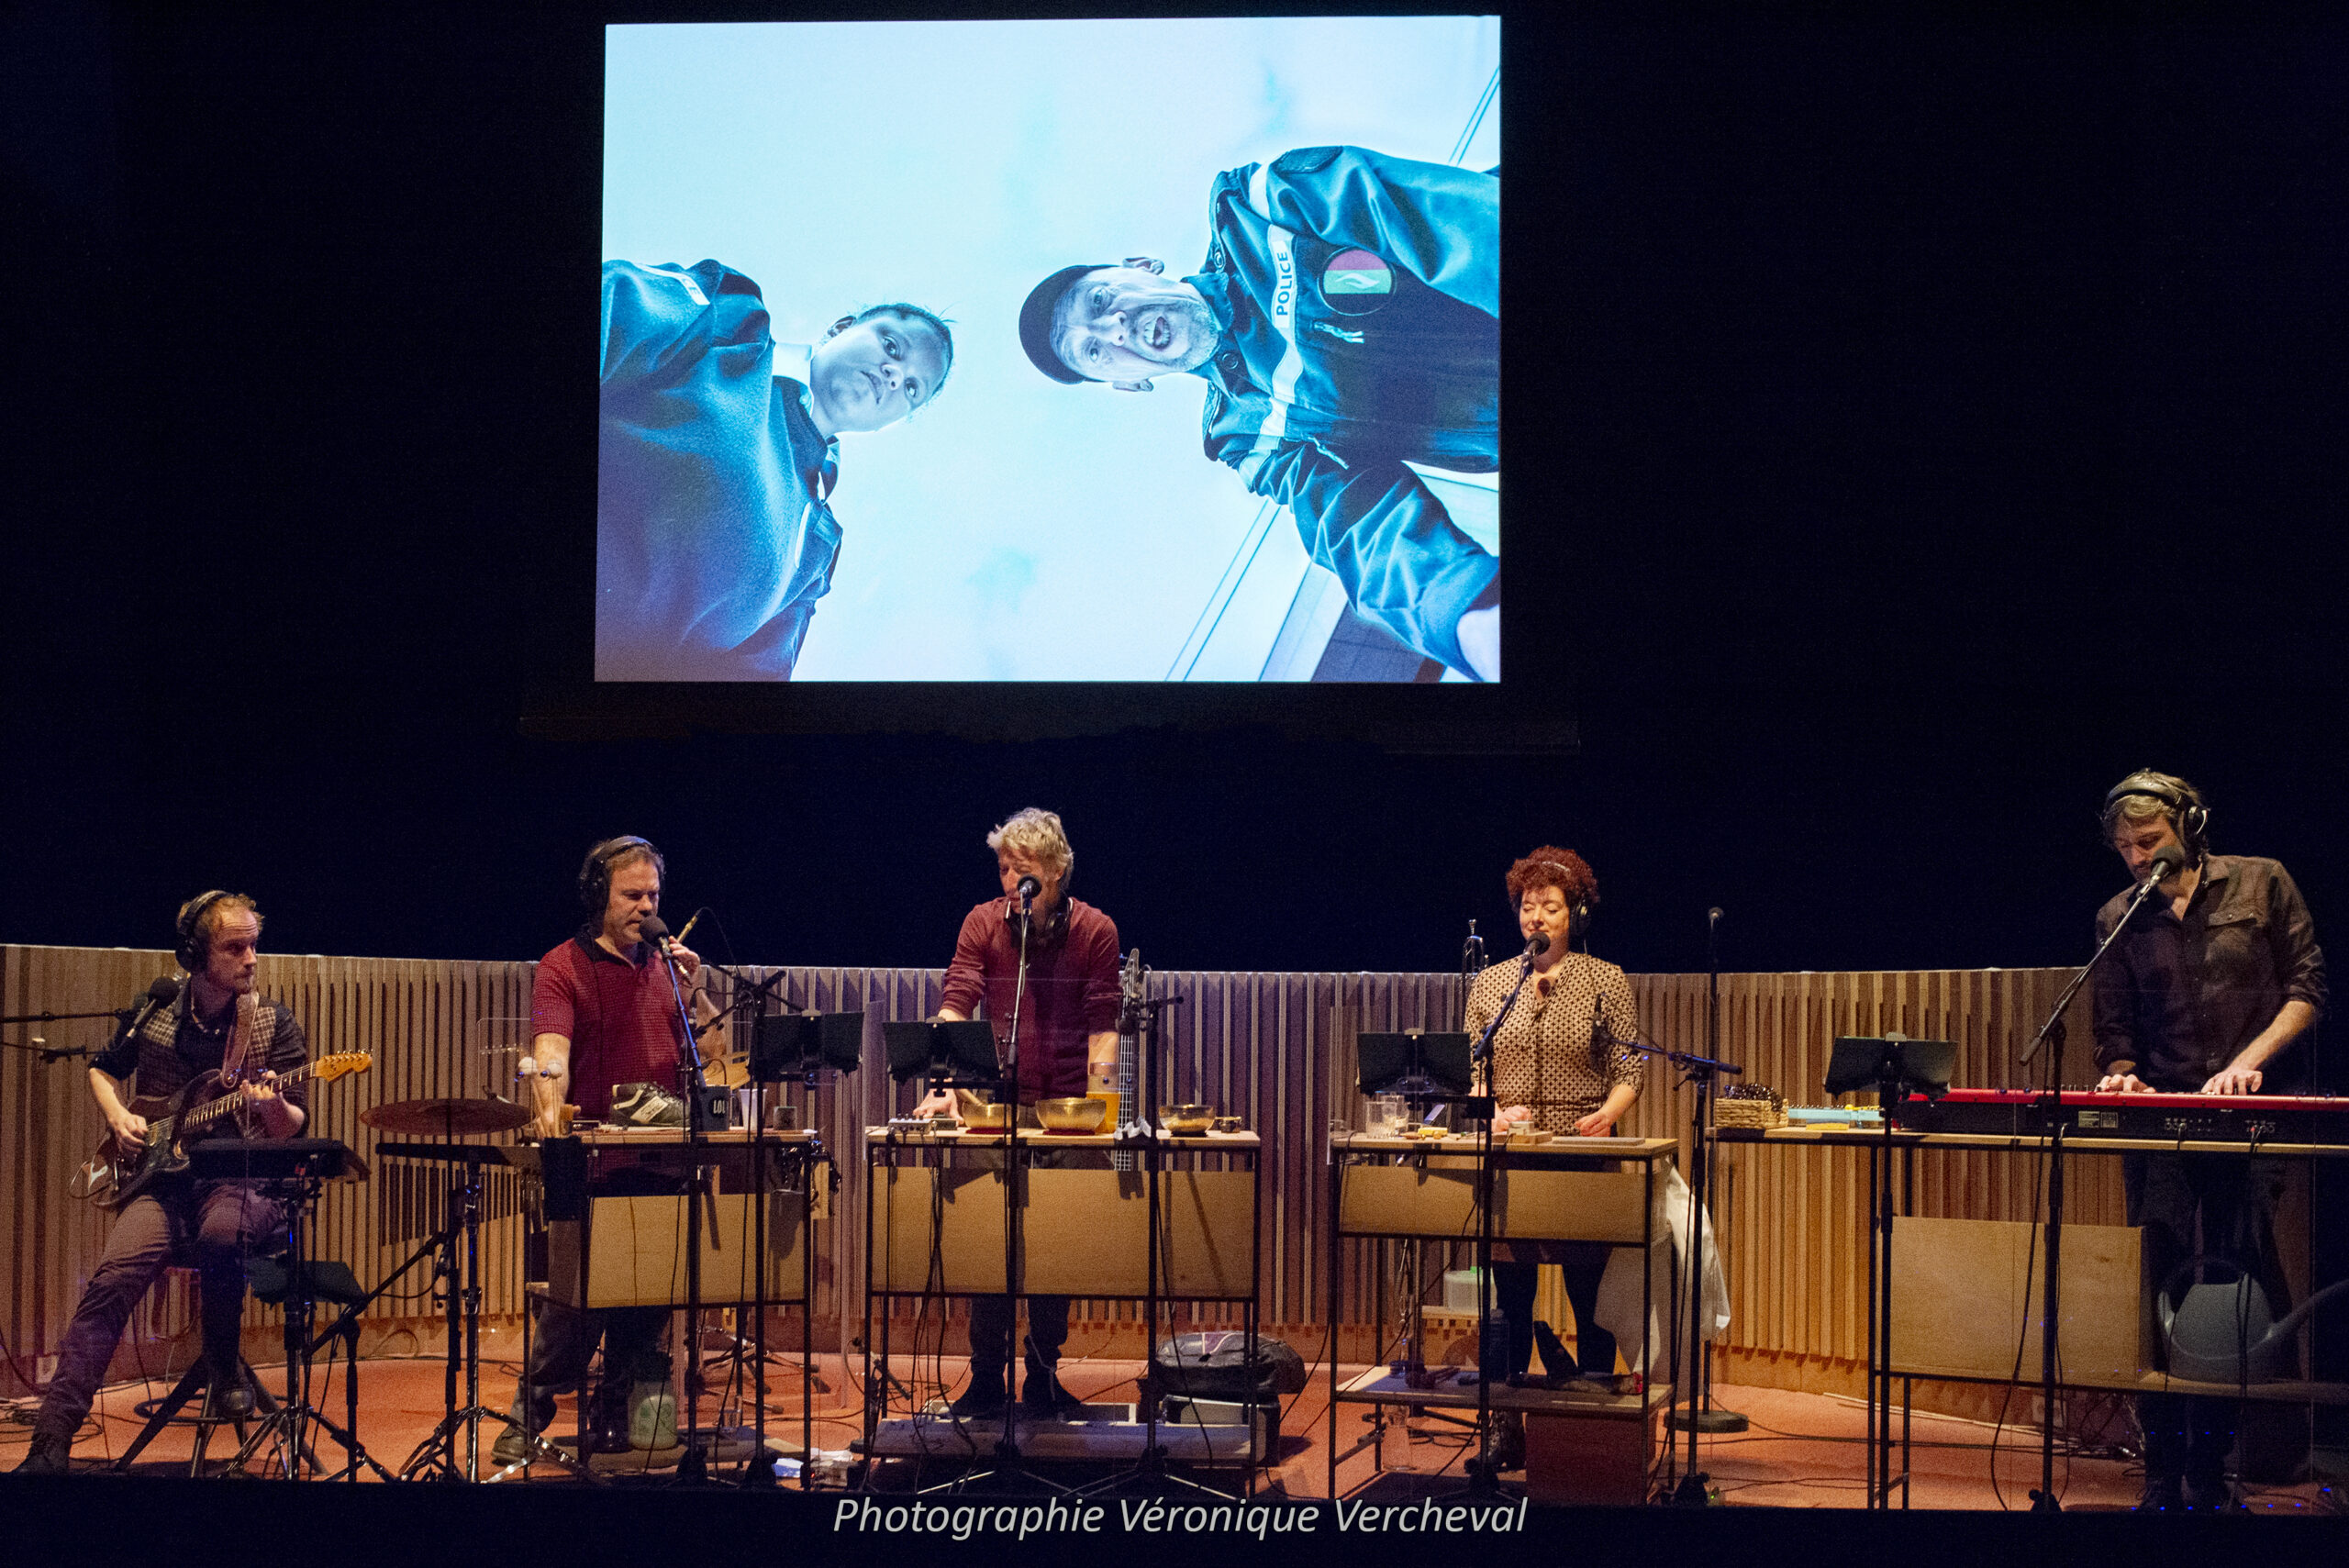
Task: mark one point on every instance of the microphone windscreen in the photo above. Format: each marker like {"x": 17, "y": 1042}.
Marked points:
{"x": 164, "y": 991}
{"x": 653, "y": 929}
{"x": 1540, "y": 944}
{"x": 1029, "y": 887}
{"x": 2167, "y": 859}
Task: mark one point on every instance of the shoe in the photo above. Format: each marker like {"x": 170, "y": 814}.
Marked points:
{"x": 48, "y": 1456}
{"x": 981, "y": 1400}
{"x": 1040, "y": 1394}
{"x": 2211, "y": 1495}
{"x": 2165, "y": 1496}
{"x": 513, "y": 1446}
{"x": 1508, "y": 1444}
{"x": 1556, "y": 1359}
{"x": 231, "y": 1400}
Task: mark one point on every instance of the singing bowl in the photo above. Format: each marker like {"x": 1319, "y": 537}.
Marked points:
{"x": 982, "y": 1116}
{"x": 1190, "y": 1118}
{"x": 1072, "y": 1114}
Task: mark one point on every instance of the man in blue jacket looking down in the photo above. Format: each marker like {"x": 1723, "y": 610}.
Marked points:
{"x": 718, "y": 449}
{"x": 1347, "y": 319}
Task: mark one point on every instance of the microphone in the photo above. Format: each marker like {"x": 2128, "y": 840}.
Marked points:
{"x": 1029, "y": 888}
{"x": 1713, "y": 915}
{"x": 656, "y": 931}
{"x": 2166, "y": 863}
{"x": 160, "y": 994}
{"x": 1535, "y": 946}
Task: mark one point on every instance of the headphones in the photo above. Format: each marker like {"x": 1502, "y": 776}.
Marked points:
{"x": 195, "y": 948}
{"x": 2185, "y": 802}
{"x": 596, "y": 871}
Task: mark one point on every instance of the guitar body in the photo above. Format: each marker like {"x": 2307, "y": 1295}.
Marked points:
{"x": 113, "y": 1178}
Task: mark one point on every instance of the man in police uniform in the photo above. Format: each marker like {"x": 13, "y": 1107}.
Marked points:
{"x": 1348, "y": 319}
{"x": 718, "y": 451}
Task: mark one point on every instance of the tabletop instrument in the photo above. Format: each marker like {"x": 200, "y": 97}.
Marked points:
{"x": 2086, "y": 1113}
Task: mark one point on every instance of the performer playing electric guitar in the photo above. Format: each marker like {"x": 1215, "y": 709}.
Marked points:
{"x": 217, "y": 1025}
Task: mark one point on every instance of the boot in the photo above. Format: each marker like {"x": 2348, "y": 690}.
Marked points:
{"x": 47, "y": 1456}
{"x": 1042, "y": 1396}
{"x": 1556, "y": 1359}
{"x": 983, "y": 1399}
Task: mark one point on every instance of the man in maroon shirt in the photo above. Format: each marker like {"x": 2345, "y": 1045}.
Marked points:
{"x": 1068, "y": 1018}
{"x": 602, "y": 1014}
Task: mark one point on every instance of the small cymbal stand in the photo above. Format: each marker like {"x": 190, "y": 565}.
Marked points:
{"x": 459, "y": 1275}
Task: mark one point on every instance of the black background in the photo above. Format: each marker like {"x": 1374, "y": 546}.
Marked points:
{"x": 1916, "y": 422}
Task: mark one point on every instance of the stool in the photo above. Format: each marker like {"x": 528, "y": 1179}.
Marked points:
{"x": 195, "y": 1381}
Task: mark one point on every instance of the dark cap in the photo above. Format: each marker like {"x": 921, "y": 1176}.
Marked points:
{"x": 1036, "y": 322}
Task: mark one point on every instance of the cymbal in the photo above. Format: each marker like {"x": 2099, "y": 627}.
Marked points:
{"x": 427, "y": 1119}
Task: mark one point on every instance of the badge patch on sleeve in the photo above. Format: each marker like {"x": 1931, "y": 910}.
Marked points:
{"x": 1356, "y": 282}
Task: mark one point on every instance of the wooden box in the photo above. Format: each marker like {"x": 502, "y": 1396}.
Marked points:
{"x": 630, "y": 1251}
{"x": 1966, "y": 1292}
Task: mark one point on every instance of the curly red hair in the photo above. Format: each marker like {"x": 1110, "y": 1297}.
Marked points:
{"x": 1551, "y": 866}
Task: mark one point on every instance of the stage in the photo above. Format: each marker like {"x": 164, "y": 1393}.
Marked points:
{"x": 1801, "y": 1450}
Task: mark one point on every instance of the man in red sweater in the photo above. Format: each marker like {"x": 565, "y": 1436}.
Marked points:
{"x": 1068, "y": 1018}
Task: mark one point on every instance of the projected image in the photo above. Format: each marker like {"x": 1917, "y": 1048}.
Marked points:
{"x": 969, "y": 351}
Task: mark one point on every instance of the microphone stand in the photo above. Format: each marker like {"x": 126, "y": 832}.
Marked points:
{"x": 1701, "y": 1072}
{"x": 2042, "y": 1500}
{"x": 1484, "y": 1479}
{"x": 692, "y": 1468}
{"x": 1702, "y": 1416}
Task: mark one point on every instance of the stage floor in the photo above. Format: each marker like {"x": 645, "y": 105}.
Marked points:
{"x": 1801, "y": 1450}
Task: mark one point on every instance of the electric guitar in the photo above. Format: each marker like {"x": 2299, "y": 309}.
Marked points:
{"x": 1131, "y": 982}
{"x": 111, "y": 1177}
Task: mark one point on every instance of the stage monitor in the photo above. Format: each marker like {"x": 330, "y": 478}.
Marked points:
{"x": 1072, "y": 350}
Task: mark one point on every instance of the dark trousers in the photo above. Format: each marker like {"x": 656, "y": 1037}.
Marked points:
{"x": 212, "y": 1227}
{"x": 563, "y": 1340}
{"x": 1584, "y": 1263}
{"x": 2222, "y": 1205}
{"x": 991, "y": 1320}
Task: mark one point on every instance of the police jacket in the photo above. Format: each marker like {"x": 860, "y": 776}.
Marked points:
{"x": 713, "y": 541}
{"x": 1359, "y": 296}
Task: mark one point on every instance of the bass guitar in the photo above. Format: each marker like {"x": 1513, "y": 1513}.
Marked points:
{"x": 1133, "y": 980}
{"x": 112, "y": 1176}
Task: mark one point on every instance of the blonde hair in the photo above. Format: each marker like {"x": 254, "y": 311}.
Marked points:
{"x": 1038, "y": 834}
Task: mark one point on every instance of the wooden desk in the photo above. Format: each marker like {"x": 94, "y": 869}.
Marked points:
{"x": 1387, "y": 1189}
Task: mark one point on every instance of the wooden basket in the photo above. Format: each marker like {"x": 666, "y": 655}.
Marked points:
{"x": 1750, "y": 1105}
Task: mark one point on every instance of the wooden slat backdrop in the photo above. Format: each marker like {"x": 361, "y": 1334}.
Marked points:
{"x": 1274, "y": 1047}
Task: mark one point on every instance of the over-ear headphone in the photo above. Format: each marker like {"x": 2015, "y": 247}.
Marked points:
{"x": 1578, "y": 928}
{"x": 596, "y": 871}
{"x": 2185, "y": 802}
{"x": 195, "y": 948}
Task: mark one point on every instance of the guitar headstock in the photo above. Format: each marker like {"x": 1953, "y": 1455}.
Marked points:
{"x": 327, "y": 1069}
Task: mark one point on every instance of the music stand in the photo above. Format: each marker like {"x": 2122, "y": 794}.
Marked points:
{"x": 296, "y": 1170}
{"x": 787, "y": 1045}
{"x": 946, "y": 1053}
{"x": 1895, "y": 1067}
{"x": 1428, "y": 1067}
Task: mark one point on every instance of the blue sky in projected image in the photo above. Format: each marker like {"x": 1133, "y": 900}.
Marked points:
{"x": 1017, "y": 530}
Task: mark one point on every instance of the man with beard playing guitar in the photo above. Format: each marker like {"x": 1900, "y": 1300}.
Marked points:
{"x": 218, "y": 1024}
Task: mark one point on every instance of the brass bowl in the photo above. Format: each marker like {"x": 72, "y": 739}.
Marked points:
{"x": 1186, "y": 1120}
{"x": 1072, "y": 1114}
{"x": 982, "y": 1116}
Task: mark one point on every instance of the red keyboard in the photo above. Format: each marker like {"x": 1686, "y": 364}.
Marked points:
{"x": 2243, "y": 1118}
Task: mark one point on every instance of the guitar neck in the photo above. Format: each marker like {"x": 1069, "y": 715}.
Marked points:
{"x": 221, "y": 1107}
